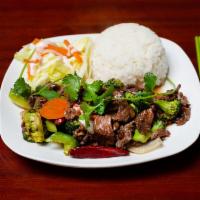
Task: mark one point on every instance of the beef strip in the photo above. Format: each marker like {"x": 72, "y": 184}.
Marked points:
{"x": 161, "y": 133}
{"x": 103, "y": 126}
{"x": 81, "y": 135}
{"x": 124, "y": 113}
{"x": 125, "y": 135}
{"x": 73, "y": 112}
{"x": 115, "y": 126}
{"x": 103, "y": 131}
{"x": 185, "y": 110}
{"x": 144, "y": 120}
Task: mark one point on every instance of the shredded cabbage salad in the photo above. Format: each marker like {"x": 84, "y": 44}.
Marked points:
{"x": 46, "y": 61}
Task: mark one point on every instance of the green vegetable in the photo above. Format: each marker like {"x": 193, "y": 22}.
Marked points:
{"x": 139, "y": 137}
{"x": 72, "y": 85}
{"x": 91, "y": 90}
{"x": 149, "y": 81}
{"x": 158, "y": 124}
{"x": 134, "y": 107}
{"x": 51, "y": 127}
{"x": 20, "y": 93}
{"x": 197, "y": 45}
{"x": 68, "y": 141}
{"x": 103, "y": 100}
{"x": 33, "y": 130}
{"x": 116, "y": 83}
{"x": 19, "y": 100}
{"x": 98, "y": 106}
{"x": 170, "y": 108}
{"x": 71, "y": 126}
{"x": 171, "y": 82}
{"x": 101, "y": 106}
{"x": 140, "y": 100}
{"x": 107, "y": 93}
{"x": 21, "y": 88}
{"x": 47, "y": 93}
{"x": 139, "y": 96}
{"x": 87, "y": 111}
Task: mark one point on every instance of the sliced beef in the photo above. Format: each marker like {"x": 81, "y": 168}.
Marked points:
{"x": 144, "y": 120}
{"x": 124, "y": 112}
{"x": 103, "y": 126}
{"x": 161, "y": 133}
{"x": 73, "y": 112}
{"x": 103, "y": 130}
{"x": 124, "y": 135}
{"x": 115, "y": 126}
{"x": 82, "y": 135}
{"x": 185, "y": 110}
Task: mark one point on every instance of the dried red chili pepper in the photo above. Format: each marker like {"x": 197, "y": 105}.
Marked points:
{"x": 97, "y": 152}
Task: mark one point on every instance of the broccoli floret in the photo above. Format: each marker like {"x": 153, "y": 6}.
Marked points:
{"x": 139, "y": 137}
{"x": 170, "y": 108}
{"x": 71, "y": 126}
{"x": 32, "y": 126}
{"x": 116, "y": 83}
{"x": 158, "y": 124}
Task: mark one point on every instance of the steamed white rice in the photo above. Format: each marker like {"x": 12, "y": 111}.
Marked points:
{"x": 126, "y": 52}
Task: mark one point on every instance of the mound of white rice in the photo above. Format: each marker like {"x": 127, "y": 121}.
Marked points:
{"x": 126, "y": 52}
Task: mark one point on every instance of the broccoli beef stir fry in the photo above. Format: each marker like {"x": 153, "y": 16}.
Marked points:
{"x": 75, "y": 113}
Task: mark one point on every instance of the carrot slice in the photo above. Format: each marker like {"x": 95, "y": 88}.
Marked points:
{"x": 60, "y": 50}
{"x": 54, "y": 108}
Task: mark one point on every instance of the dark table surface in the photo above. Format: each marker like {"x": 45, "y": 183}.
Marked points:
{"x": 175, "y": 177}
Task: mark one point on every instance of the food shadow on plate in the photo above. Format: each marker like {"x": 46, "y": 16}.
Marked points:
{"x": 172, "y": 164}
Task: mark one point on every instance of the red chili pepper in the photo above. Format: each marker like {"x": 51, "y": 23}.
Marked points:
{"x": 97, "y": 152}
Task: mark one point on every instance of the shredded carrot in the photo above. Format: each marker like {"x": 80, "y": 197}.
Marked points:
{"x": 78, "y": 57}
{"x": 32, "y": 61}
{"x": 76, "y": 54}
{"x": 43, "y": 54}
{"x": 36, "y": 40}
{"x": 29, "y": 71}
{"x": 54, "y": 108}
{"x": 60, "y": 50}
{"x": 66, "y": 42}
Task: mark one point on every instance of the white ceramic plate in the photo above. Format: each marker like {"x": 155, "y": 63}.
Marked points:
{"x": 181, "y": 71}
